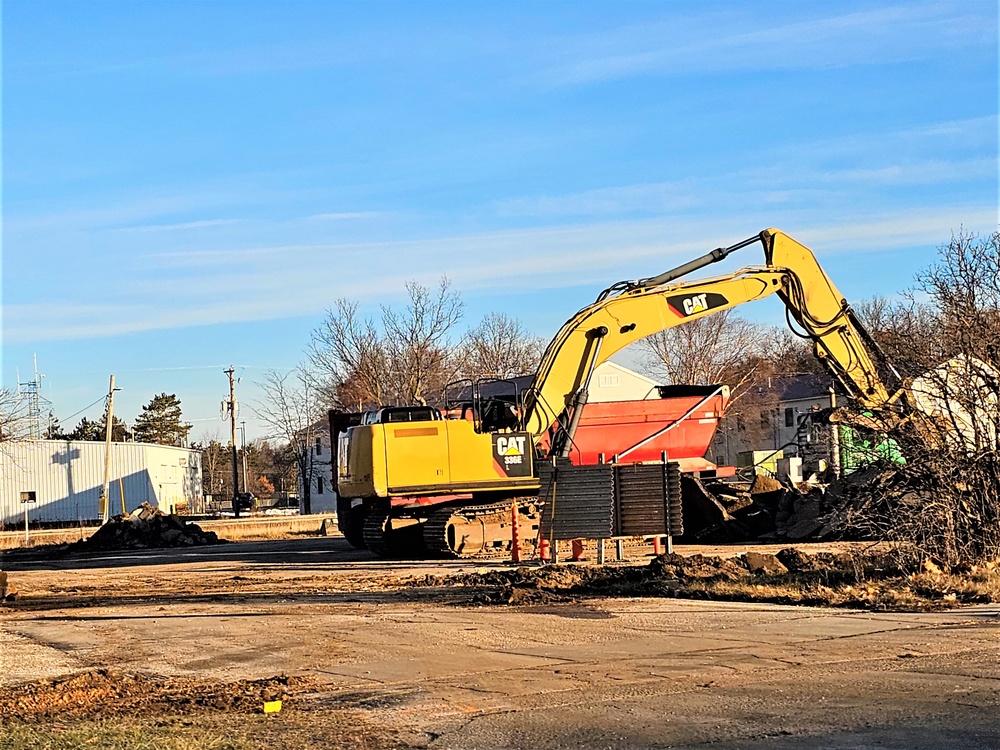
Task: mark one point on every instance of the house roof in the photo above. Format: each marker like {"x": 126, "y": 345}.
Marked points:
{"x": 807, "y": 385}
{"x": 524, "y": 382}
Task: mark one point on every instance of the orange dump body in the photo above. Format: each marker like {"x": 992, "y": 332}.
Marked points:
{"x": 682, "y": 423}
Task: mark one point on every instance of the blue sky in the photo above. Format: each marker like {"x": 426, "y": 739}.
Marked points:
{"x": 188, "y": 185}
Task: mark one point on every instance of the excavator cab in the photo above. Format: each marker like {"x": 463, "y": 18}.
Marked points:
{"x": 491, "y": 404}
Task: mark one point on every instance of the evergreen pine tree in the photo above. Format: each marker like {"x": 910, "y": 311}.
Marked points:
{"x": 160, "y": 422}
{"x": 87, "y": 429}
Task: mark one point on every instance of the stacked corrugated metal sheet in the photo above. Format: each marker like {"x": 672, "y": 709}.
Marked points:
{"x": 603, "y": 501}
{"x": 578, "y": 501}
{"x": 648, "y": 500}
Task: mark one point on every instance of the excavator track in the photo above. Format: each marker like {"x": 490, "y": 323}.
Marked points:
{"x": 373, "y": 533}
{"x": 477, "y": 531}
{"x": 394, "y": 537}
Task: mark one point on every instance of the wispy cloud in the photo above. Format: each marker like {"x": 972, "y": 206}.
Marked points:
{"x": 345, "y": 216}
{"x": 790, "y": 179}
{"x": 187, "y": 225}
{"x": 659, "y": 198}
{"x": 309, "y": 278}
{"x": 742, "y": 40}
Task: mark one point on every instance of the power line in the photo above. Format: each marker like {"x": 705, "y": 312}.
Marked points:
{"x": 102, "y": 398}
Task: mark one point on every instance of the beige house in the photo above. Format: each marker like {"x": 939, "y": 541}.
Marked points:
{"x": 612, "y": 382}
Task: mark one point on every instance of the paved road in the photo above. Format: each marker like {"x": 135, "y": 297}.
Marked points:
{"x": 619, "y": 673}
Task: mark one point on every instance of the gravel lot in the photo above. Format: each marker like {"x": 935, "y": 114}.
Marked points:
{"x": 421, "y": 666}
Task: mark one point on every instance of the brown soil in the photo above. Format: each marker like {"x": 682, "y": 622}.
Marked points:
{"x": 105, "y": 708}
{"x": 873, "y": 581}
{"x": 106, "y": 694}
{"x": 868, "y": 580}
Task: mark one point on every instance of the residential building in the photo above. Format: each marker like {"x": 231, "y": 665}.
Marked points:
{"x": 322, "y": 490}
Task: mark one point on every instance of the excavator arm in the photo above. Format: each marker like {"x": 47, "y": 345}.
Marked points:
{"x": 630, "y": 311}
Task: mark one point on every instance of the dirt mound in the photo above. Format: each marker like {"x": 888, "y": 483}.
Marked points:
{"x": 551, "y": 584}
{"x": 697, "y": 567}
{"x": 872, "y": 580}
{"x": 105, "y": 693}
{"x": 144, "y": 528}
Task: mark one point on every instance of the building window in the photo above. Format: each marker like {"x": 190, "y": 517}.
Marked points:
{"x": 319, "y": 485}
{"x": 789, "y": 417}
{"x": 319, "y": 446}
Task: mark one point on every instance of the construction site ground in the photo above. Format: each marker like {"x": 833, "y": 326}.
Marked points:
{"x": 181, "y": 648}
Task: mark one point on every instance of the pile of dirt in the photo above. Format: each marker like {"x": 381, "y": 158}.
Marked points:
{"x": 103, "y": 693}
{"x": 144, "y": 528}
{"x": 874, "y": 580}
{"x": 549, "y": 584}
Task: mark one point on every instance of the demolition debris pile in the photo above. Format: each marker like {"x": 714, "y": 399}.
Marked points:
{"x": 765, "y": 509}
{"x": 145, "y": 528}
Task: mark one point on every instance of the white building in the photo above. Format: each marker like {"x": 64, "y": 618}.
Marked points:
{"x": 612, "y": 382}
{"x": 323, "y": 492}
{"x": 67, "y": 478}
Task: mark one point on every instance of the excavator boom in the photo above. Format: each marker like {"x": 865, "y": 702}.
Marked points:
{"x": 630, "y": 311}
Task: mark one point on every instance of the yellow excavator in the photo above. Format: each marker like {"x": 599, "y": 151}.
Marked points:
{"x": 412, "y": 481}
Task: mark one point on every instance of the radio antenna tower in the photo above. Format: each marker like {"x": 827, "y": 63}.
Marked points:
{"x": 32, "y": 403}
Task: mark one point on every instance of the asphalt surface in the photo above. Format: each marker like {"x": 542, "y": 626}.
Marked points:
{"x": 616, "y": 673}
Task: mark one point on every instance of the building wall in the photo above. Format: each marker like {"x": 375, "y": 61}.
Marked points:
{"x": 323, "y": 495}
{"x": 785, "y": 425}
{"x": 612, "y": 382}
{"x": 67, "y": 478}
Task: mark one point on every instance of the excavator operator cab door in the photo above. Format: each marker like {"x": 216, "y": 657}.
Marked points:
{"x": 491, "y": 404}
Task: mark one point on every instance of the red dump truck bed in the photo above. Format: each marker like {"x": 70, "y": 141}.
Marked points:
{"x": 682, "y": 423}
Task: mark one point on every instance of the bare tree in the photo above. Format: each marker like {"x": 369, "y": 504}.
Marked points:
{"x": 293, "y": 409}
{"x": 943, "y": 503}
{"x": 907, "y": 330}
{"x": 719, "y": 348}
{"x": 416, "y": 341}
{"x": 348, "y": 350}
{"x": 499, "y": 347}
{"x": 13, "y": 417}
{"x": 214, "y": 458}
{"x": 405, "y": 362}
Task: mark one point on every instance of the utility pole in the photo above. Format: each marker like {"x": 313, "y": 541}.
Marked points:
{"x": 243, "y": 439}
{"x": 104, "y": 502}
{"x": 232, "y": 427}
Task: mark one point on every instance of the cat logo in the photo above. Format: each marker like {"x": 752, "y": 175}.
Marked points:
{"x": 512, "y": 454}
{"x": 695, "y": 304}
{"x": 511, "y": 448}
{"x": 691, "y": 304}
